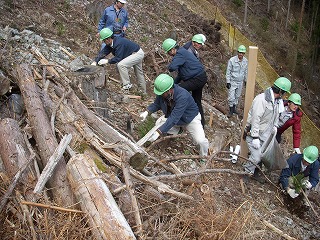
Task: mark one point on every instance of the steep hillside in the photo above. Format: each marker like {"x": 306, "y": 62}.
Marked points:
{"x": 224, "y": 205}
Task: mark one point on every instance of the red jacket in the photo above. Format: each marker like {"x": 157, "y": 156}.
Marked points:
{"x": 295, "y": 122}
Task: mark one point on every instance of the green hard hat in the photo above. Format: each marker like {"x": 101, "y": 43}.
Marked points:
{"x": 283, "y": 83}
{"x": 242, "y": 49}
{"x": 168, "y": 44}
{"x": 105, "y": 33}
{"x": 310, "y": 154}
{"x": 199, "y": 38}
{"x": 295, "y": 98}
{"x": 162, "y": 84}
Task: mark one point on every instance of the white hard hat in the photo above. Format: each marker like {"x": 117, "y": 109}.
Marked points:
{"x": 122, "y": 1}
{"x": 203, "y": 37}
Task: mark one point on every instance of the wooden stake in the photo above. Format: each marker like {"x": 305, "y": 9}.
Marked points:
{"x": 252, "y": 68}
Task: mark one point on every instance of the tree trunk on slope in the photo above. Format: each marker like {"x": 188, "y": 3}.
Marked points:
{"x": 10, "y": 136}
{"x": 105, "y": 217}
{"x": 42, "y": 132}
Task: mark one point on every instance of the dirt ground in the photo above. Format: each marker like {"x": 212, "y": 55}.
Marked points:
{"x": 225, "y": 206}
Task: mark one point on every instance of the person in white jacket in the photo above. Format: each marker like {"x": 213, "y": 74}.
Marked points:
{"x": 236, "y": 76}
{"x": 262, "y": 119}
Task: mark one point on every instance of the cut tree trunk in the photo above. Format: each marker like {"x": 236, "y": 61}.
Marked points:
{"x": 43, "y": 134}
{"x": 10, "y": 136}
{"x": 89, "y": 82}
{"x": 105, "y": 217}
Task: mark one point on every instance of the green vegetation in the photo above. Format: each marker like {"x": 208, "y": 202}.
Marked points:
{"x": 264, "y": 24}
{"x": 60, "y": 28}
{"x": 238, "y": 3}
{"x": 146, "y": 126}
{"x": 100, "y": 164}
{"x": 295, "y": 29}
{"x": 297, "y": 182}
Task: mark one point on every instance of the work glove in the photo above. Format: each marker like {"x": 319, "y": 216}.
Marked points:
{"x": 228, "y": 85}
{"x": 297, "y": 150}
{"x": 154, "y": 136}
{"x": 256, "y": 143}
{"x": 94, "y": 63}
{"x": 143, "y": 116}
{"x": 292, "y": 193}
{"x": 274, "y": 130}
{"x": 103, "y": 61}
{"x": 306, "y": 184}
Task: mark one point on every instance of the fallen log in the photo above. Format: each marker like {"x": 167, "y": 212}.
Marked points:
{"x": 114, "y": 159}
{"x": 42, "y": 133}
{"x": 16, "y": 178}
{"x": 10, "y": 137}
{"x": 105, "y": 217}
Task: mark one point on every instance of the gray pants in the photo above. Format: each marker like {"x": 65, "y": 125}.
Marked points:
{"x": 135, "y": 61}
{"x": 255, "y": 156}
{"x": 234, "y": 93}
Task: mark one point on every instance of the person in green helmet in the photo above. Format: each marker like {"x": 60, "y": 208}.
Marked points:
{"x": 126, "y": 54}
{"x": 195, "y": 44}
{"x": 180, "y": 111}
{"x": 236, "y": 76}
{"x": 191, "y": 72}
{"x": 307, "y": 165}
{"x": 262, "y": 120}
{"x": 291, "y": 117}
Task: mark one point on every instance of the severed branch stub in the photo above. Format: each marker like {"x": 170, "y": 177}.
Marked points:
{"x": 53, "y": 161}
{"x": 134, "y": 202}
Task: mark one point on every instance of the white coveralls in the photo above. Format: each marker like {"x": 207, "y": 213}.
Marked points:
{"x": 236, "y": 74}
{"x": 263, "y": 116}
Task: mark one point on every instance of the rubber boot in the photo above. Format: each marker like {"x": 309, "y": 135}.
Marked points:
{"x": 234, "y": 109}
{"x": 231, "y": 111}
{"x": 257, "y": 176}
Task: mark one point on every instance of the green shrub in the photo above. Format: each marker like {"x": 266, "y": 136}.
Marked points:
{"x": 145, "y": 126}
{"x": 264, "y": 24}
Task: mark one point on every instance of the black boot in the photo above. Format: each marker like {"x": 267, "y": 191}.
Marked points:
{"x": 257, "y": 176}
{"x": 231, "y": 111}
{"x": 234, "y": 109}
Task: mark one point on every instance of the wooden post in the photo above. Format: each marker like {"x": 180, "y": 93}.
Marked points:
{"x": 251, "y": 80}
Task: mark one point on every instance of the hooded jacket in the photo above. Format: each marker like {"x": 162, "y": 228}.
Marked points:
{"x": 295, "y": 122}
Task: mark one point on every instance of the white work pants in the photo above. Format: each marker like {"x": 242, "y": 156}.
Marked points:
{"x": 195, "y": 129}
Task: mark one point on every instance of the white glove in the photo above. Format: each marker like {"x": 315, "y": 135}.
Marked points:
{"x": 292, "y": 193}
{"x": 256, "y": 143}
{"x": 94, "y": 63}
{"x": 307, "y": 184}
{"x": 144, "y": 115}
{"x": 103, "y": 61}
{"x": 297, "y": 150}
{"x": 274, "y": 130}
{"x": 154, "y": 136}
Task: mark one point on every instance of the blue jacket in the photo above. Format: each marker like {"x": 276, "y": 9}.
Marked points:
{"x": 187, "y": 64}
{"x": 183, "y": 112}
{"x": 121, "y": 48}
{"x": 110, "y": 19}
{"x": 294, "y": 162}
{"x": 191, "y": 49}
